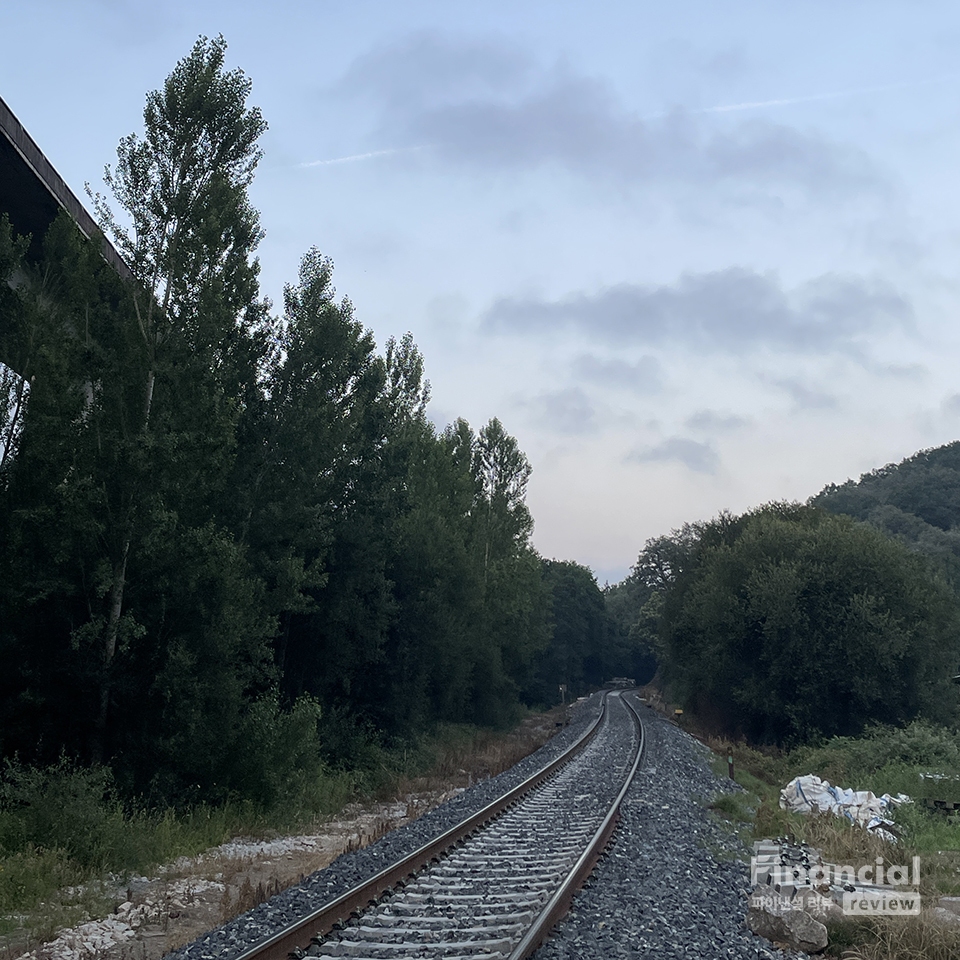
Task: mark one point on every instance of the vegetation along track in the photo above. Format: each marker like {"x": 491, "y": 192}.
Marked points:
{"x": 494, "y": 885}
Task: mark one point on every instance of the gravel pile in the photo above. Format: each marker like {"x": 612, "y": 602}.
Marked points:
{"x": 352, "y": 868}
{"x": 672, "y": 885}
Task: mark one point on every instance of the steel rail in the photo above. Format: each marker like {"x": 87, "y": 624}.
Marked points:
{"x": 558, "y": 905}
{"x": 283, "y": 943}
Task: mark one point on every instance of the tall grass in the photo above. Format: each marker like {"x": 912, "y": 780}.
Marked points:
{"x": 64, "y": 828}
{"x": 68, "y": 839}
{"x": 884, "y": 760}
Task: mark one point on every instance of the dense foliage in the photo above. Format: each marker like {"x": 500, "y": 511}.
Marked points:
{"x": 234, "y": 544}
{"x": 916, "y": 501}
{"x": 787, "y": 624}
{"x": 587, "y": 645}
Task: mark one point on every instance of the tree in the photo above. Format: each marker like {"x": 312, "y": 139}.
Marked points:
{"x": 183, "y": 187}
{"x": 311, "y": 496}
{"x": 788, "y": 623}
{"x": 503, "y": 471}
{"x": 916, "y": 501}
{"x": 436, "y": 578}
{"x": 49, "y": 497}
{"x": 515, "y": 602}
{"x": 217, "y": 522}
{"x": 581, "y": 648}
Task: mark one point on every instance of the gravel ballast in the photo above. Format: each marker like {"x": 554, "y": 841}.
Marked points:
{"x": 673, "y": 884}
{"x": 356, "y": 866}
{"x": 658, "y": 892}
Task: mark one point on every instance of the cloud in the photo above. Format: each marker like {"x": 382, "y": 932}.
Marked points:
{"x": 729, "y": 310}
{"x": 643, "y": 377}
{"x": 805, "y": 397}
{"x": 565, "y": 411}
{"x": 428, "y": 68}
{"x": 699, "y": 457}
{"x": 951, "y": 404}
{"x": 911, "y": 372}
{"x": 709, "y": 421}
{"x": 486, "y": 104}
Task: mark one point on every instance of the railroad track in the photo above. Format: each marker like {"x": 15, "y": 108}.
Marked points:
{"x": 494, "y": 885}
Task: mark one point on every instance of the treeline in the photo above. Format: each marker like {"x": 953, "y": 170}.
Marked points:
{"x": 788, "y": 624}
{"x": 234, "y": 545}
{"x": 916, "y": 501}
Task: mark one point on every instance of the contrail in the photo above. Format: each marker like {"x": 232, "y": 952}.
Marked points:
{"x": 756, "y": 104}
{"x": 351, "y": 159}
{"x": 355, "y": 157}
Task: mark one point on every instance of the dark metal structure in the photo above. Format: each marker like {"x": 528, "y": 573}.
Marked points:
{"x": 32, "y": 193}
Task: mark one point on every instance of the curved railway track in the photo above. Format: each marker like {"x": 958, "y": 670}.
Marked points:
{"x": 494, "y": 885}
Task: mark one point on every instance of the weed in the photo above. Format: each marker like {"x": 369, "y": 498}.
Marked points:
{"x": 732, "y": 807}
{"x": 905, "y": 938}
{"x": 884, "y": 760}
{"x": 63, "y": 828}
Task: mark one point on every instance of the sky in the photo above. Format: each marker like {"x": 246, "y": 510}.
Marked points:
{"x": 695, "y": 256}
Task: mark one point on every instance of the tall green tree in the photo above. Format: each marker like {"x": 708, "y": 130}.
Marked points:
{"x": 504, "y": 472}
{"x": 436, "y": 576}
{"x": 579, "y": 652}
{"x": 52, "y": 494}
{"x": 183, "y": 188}
{"x": 312, "y": 491}
{"x": 515, "y": 602}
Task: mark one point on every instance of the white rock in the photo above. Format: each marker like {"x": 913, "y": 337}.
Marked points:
{"x": 777, "y": 920}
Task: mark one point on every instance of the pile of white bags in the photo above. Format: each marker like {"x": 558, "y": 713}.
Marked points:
{"x": 810, "y": 794}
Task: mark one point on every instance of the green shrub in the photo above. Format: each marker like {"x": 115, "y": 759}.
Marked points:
{"x": 277, "y": 752}
{"x": 63, "y": 807}
{"x": 31, "y": 875}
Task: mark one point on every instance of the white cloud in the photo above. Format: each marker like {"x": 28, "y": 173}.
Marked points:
{"x": 710, "y": 421}
{"x": 568, "y": 411}
{"x": 645, "y": 376}
{"x": 804, "y": 396}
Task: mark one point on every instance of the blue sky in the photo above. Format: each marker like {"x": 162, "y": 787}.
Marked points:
{"x": 695, "y": 256}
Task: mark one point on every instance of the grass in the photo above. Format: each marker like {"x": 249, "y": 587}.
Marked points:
{"x": 885, "y": 761}
{"x": 862, "y": 764}
{"x": 61, "y": 864}
{"x": 67, "y": 842}
{"x": 732, "y": 807}
{"x": 900, "y": 938}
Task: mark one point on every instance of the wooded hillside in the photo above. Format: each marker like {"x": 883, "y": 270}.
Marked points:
{"x": 794, "y": 622}
{"x": 917, "y": 501}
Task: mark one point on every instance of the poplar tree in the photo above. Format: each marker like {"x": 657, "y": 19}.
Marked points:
{"x": 182, "y": 188}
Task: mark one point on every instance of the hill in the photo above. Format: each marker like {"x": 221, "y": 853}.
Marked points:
{"x": 916, "y": 501}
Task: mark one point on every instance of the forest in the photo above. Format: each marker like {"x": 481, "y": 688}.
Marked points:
{"x": 237, "y": 551}
{"x": 793, "y": 623}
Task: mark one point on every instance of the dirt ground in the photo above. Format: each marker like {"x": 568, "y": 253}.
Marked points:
{"x": 191, "y": 896}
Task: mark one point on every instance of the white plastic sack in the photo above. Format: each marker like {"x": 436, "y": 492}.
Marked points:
{"x": 810, "y": 794}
